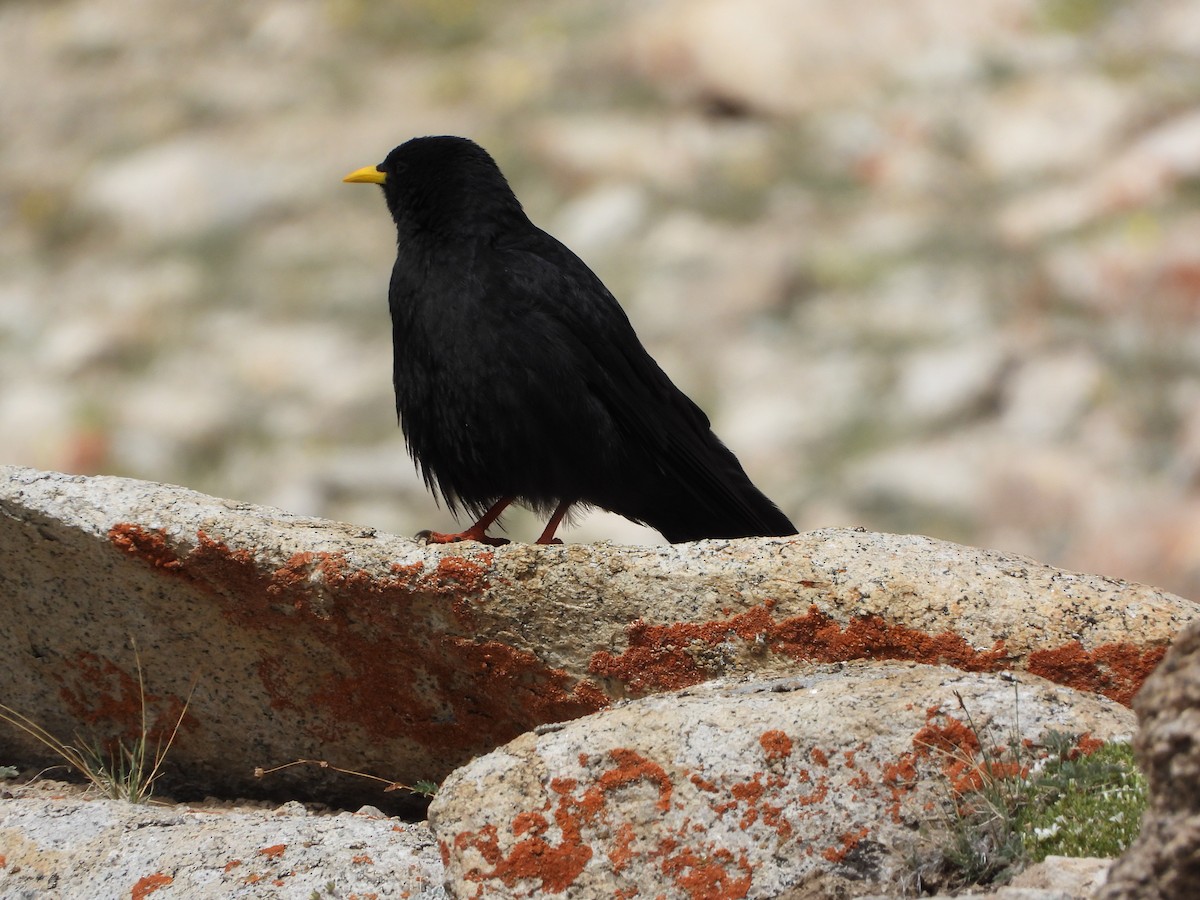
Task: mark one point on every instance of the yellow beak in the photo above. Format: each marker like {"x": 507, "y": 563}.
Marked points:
{"x": 366, "y": 175}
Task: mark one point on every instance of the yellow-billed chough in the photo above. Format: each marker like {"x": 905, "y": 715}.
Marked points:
{"x": 518, "y": 376}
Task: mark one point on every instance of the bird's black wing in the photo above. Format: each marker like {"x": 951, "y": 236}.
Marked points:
{"x": 668, "y": 437}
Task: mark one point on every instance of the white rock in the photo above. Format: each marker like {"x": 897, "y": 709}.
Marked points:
{"x": 946, "y": 475}
{"x": 616, "y": 147}
{"x": 57, "y": 842}
{"x": 182, "y": 187}
{"x": 948, "y": 380}
{"x": 36, "y": 418}
{"x": 742, "y": 785}
{"x": 1146, "y": 172}
{"x": 1049, "y": 125}
{"x": 1174, "y": 24}
{"x": 1047, "y": 395}
{"x": 601, "y": 218}
{"x": 789, "y": 58}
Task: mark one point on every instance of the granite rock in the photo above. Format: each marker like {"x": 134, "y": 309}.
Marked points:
{"x": 828, "y": 784}
{"x": 295, "y": 638}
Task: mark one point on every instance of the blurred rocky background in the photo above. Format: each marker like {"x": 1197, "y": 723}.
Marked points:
{"x": 930, "y": 266}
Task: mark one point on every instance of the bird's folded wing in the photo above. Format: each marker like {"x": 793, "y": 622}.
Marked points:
{"x": 641, "y": 399}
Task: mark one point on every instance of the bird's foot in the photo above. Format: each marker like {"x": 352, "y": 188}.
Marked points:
{"x": 471, "y": 534}
{"x": 477, "y": 532}
{"x": 550, "y": 543}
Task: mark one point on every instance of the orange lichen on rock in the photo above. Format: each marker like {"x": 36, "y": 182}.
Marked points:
{"x": 460, "y": 573}
{"x": 752, "y": 796}
{"x": 621, "y": 854}
{"x": 631, "y": 767}
{"x": 1085, "y": 746}
{"x": 231, "y": 573}
{"x": 1116, "y": 670}
{"x": 697, "y": 870}
{"x": 98, "y": 691}
{"x": 748, "y": 792}
{"x": 776, "y": 744}
{"x": 957, "y": 744}
{"x": 534, "y": 859}
{"x": 847, "y": 842}
{"x": 148, "y": 884}
{"x": 707, "y": 875}
{"x": 274, "y": 851}
{"x": 901, "y": 773}
{"x": 529, "y": 823}
{"x": 899, "y": 779}
{"x": 379, "y": 692}
{"x": 558, "y": 865}
{"x": 437, "y": 684}
{"x": 816, "y": 796}
{"x": 968, "y": 776}
{"x": 816, "y": 636}
{"x": 664, "y": 657}
{"x": 148, "y": 545}
{"x": 303, "y": 580}
{"x": 861, "y": 780}
{"x": 950, "y": 736}
{"x": 655, "y": 660}
{"x": 658, "y": 658}
{"x": 773, "y": 817}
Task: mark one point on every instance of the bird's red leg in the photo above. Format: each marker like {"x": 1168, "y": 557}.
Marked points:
{"x": 478, "y": 531}
{"x": 552, "y": 526}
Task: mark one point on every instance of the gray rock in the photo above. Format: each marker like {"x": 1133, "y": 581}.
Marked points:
{"x": 59, "y": 843}
{"x": 1063, "y": 877}
{"x": 1145, "y": 172}
{"x": 1049, "y": 393}
{"x": 1042, "y": 126}
{"x": 785, "y": 59}
{"x": 307, "y": 639}
{"x": 835, "y": 781}
{"x": 950, "y": 379}
{"x": 181, "y": 188}
{"x": 602, "y": 218}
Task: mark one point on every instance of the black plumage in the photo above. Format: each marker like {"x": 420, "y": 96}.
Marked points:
{"x": 518, "y": 376}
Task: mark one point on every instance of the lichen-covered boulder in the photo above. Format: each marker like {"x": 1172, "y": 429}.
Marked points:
{"x": 835, "y": 781}
{"x": 300, "y": 638}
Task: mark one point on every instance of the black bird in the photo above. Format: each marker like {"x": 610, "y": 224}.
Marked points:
{"x": 518, "y": 376}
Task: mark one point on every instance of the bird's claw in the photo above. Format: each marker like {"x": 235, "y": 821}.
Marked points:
{"x": 471, "y": 534}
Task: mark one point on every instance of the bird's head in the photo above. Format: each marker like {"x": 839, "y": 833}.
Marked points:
{"x": 440, "y": 185}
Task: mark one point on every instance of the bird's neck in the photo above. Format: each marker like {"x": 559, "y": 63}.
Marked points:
{"x": 442, "y": 213}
